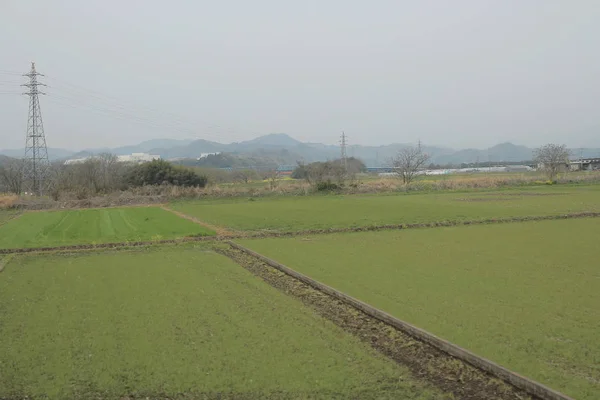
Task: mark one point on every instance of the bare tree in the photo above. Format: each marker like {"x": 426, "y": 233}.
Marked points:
{"x": 552, "y": 158}
{"x": 11, "y": 176}
{"x": 272, "y": 176}
{"x": 245, "y": 175}
{"x": 408, "y": 162}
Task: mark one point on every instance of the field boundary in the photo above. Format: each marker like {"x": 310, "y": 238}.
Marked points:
{"x": 113, "y": 245}
{"x": 4, "y": 261}
{"x": 221, "y": 231}
{"x": 528, "y": 385}
{"x": 434, "y": 224}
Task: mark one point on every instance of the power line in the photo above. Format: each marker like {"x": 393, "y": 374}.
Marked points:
{"x": 78, "y": 94}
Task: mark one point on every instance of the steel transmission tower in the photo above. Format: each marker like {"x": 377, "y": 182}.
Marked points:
{"x": 36, "y": 166}
{"x": 344, "y": 154}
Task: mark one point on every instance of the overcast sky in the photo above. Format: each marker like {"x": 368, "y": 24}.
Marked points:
{"x": 469, "y": 73}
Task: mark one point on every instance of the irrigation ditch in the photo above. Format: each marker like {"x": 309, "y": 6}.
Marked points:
{"x": 445, "y": 365}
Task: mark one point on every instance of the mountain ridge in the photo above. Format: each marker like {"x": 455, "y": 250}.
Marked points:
{"x": 287, "y": 148}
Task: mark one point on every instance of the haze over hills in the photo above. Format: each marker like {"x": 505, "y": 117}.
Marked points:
{"x": 281, "y": 148}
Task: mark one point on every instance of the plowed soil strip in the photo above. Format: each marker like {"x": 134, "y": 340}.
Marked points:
{"x": 220, "y": 230}
{"x": 425, "y": 361}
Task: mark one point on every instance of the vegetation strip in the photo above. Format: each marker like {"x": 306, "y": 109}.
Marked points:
{"x": 106, "y": 245}
{"x": 238, "y": 235}
{"x": 531, "y": 387}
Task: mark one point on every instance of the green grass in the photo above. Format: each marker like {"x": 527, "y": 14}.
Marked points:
{"x": 526, "y": 295}
{"x": 60, "y": 228}
{"x": 174, "y": 321}
{"x": 320, "y": 212}
{"x": 6, "y": 215}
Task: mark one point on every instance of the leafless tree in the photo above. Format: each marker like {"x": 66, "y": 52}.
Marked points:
{"x": 244, "y": 175}
{"x": 11, "y": 176}
{"x": 552, "y": 158}
{"x": 408, "y": 162}
{"x": 273, "y": 177}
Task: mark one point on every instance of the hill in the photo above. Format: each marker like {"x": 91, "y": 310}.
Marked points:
{"x": 285, "y": 149}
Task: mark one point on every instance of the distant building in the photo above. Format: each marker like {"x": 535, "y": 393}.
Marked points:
{"x": 138, "y": 158}
{"x": 585, "y": 164}
{"x": 135, "y": 158}
{"x": 204, "y": 155}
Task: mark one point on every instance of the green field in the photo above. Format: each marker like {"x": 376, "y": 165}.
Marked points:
{"x": 322, "y": 212}
{"x": 174, "y": 321}
{"x": 60, "y": 228}
{"x": 6, "y": 215}
{"x": 526, "y": 295}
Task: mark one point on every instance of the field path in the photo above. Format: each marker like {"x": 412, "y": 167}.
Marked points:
{"x": 224, "y": 232}
{"x": 12, "y": 217}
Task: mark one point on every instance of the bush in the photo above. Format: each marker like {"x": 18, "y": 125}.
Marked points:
{"x": 327, "y": 186}
{"x": 158, "y": 172}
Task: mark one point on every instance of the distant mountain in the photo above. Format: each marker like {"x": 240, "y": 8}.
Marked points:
{"x": 5, "y": 159}
{"x": 279, "y": 147}
{"x": 270, "y": 140}
{"x": 53, "y": 154}
{"x": 500, "y": 152}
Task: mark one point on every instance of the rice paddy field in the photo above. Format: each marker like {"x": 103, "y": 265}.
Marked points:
{"x": 185, "y": 321}
{"x": 525, "y": 295}
{"x": 174, "y": 321}
{"x": 322, "y": 212}
{"x": 72, "y": 227}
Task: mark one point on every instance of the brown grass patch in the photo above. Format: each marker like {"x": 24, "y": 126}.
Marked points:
{"x": 8, "y": 201}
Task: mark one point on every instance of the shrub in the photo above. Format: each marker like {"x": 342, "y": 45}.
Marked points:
{"x": 327, "y": 186}
{"x": 158, "y": 172}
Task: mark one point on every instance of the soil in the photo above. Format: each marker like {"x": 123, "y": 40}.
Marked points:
{"x": 220, "y": 230}
{"x": 428, "y": 364}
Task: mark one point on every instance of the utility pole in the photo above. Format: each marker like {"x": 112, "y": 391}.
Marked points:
{"x": 344, "y": 155}
{"x": 36, "y": 164}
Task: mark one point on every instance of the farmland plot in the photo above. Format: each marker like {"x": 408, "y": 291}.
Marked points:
{"x": 322, "y": 212}
{"x": 61, "y": 228}
{"x": 526, "y": 295}
{"x": 174, "y": 321}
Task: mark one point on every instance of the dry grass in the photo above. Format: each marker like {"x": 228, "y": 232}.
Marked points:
{"x": 164, "y": 193}
{"x": 8, "y": 201}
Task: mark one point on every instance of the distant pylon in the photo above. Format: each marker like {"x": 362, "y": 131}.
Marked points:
{"x": 36, "y": 165}
{"x": 344, "y": 155}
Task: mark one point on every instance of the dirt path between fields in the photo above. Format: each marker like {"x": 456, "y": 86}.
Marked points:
{"x": 223, "y": 232}
{"x": 426, "y": 363}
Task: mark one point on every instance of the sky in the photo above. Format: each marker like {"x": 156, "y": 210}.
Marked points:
{"x": 463, "y": 73}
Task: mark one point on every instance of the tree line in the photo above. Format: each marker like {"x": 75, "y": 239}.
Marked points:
{"x": 100, "y": 174}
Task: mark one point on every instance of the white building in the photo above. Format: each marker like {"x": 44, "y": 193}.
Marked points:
{"x": 204, "y": 155}
{"x": 136, "y": 158}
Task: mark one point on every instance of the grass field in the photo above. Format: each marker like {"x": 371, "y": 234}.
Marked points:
{"x": 320, "y": 212}
{"x": 526, "y": 295}
{"x": 174, "y": 321}
{"x": 59, "y": 228}
{"x": 5, "y": 215}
